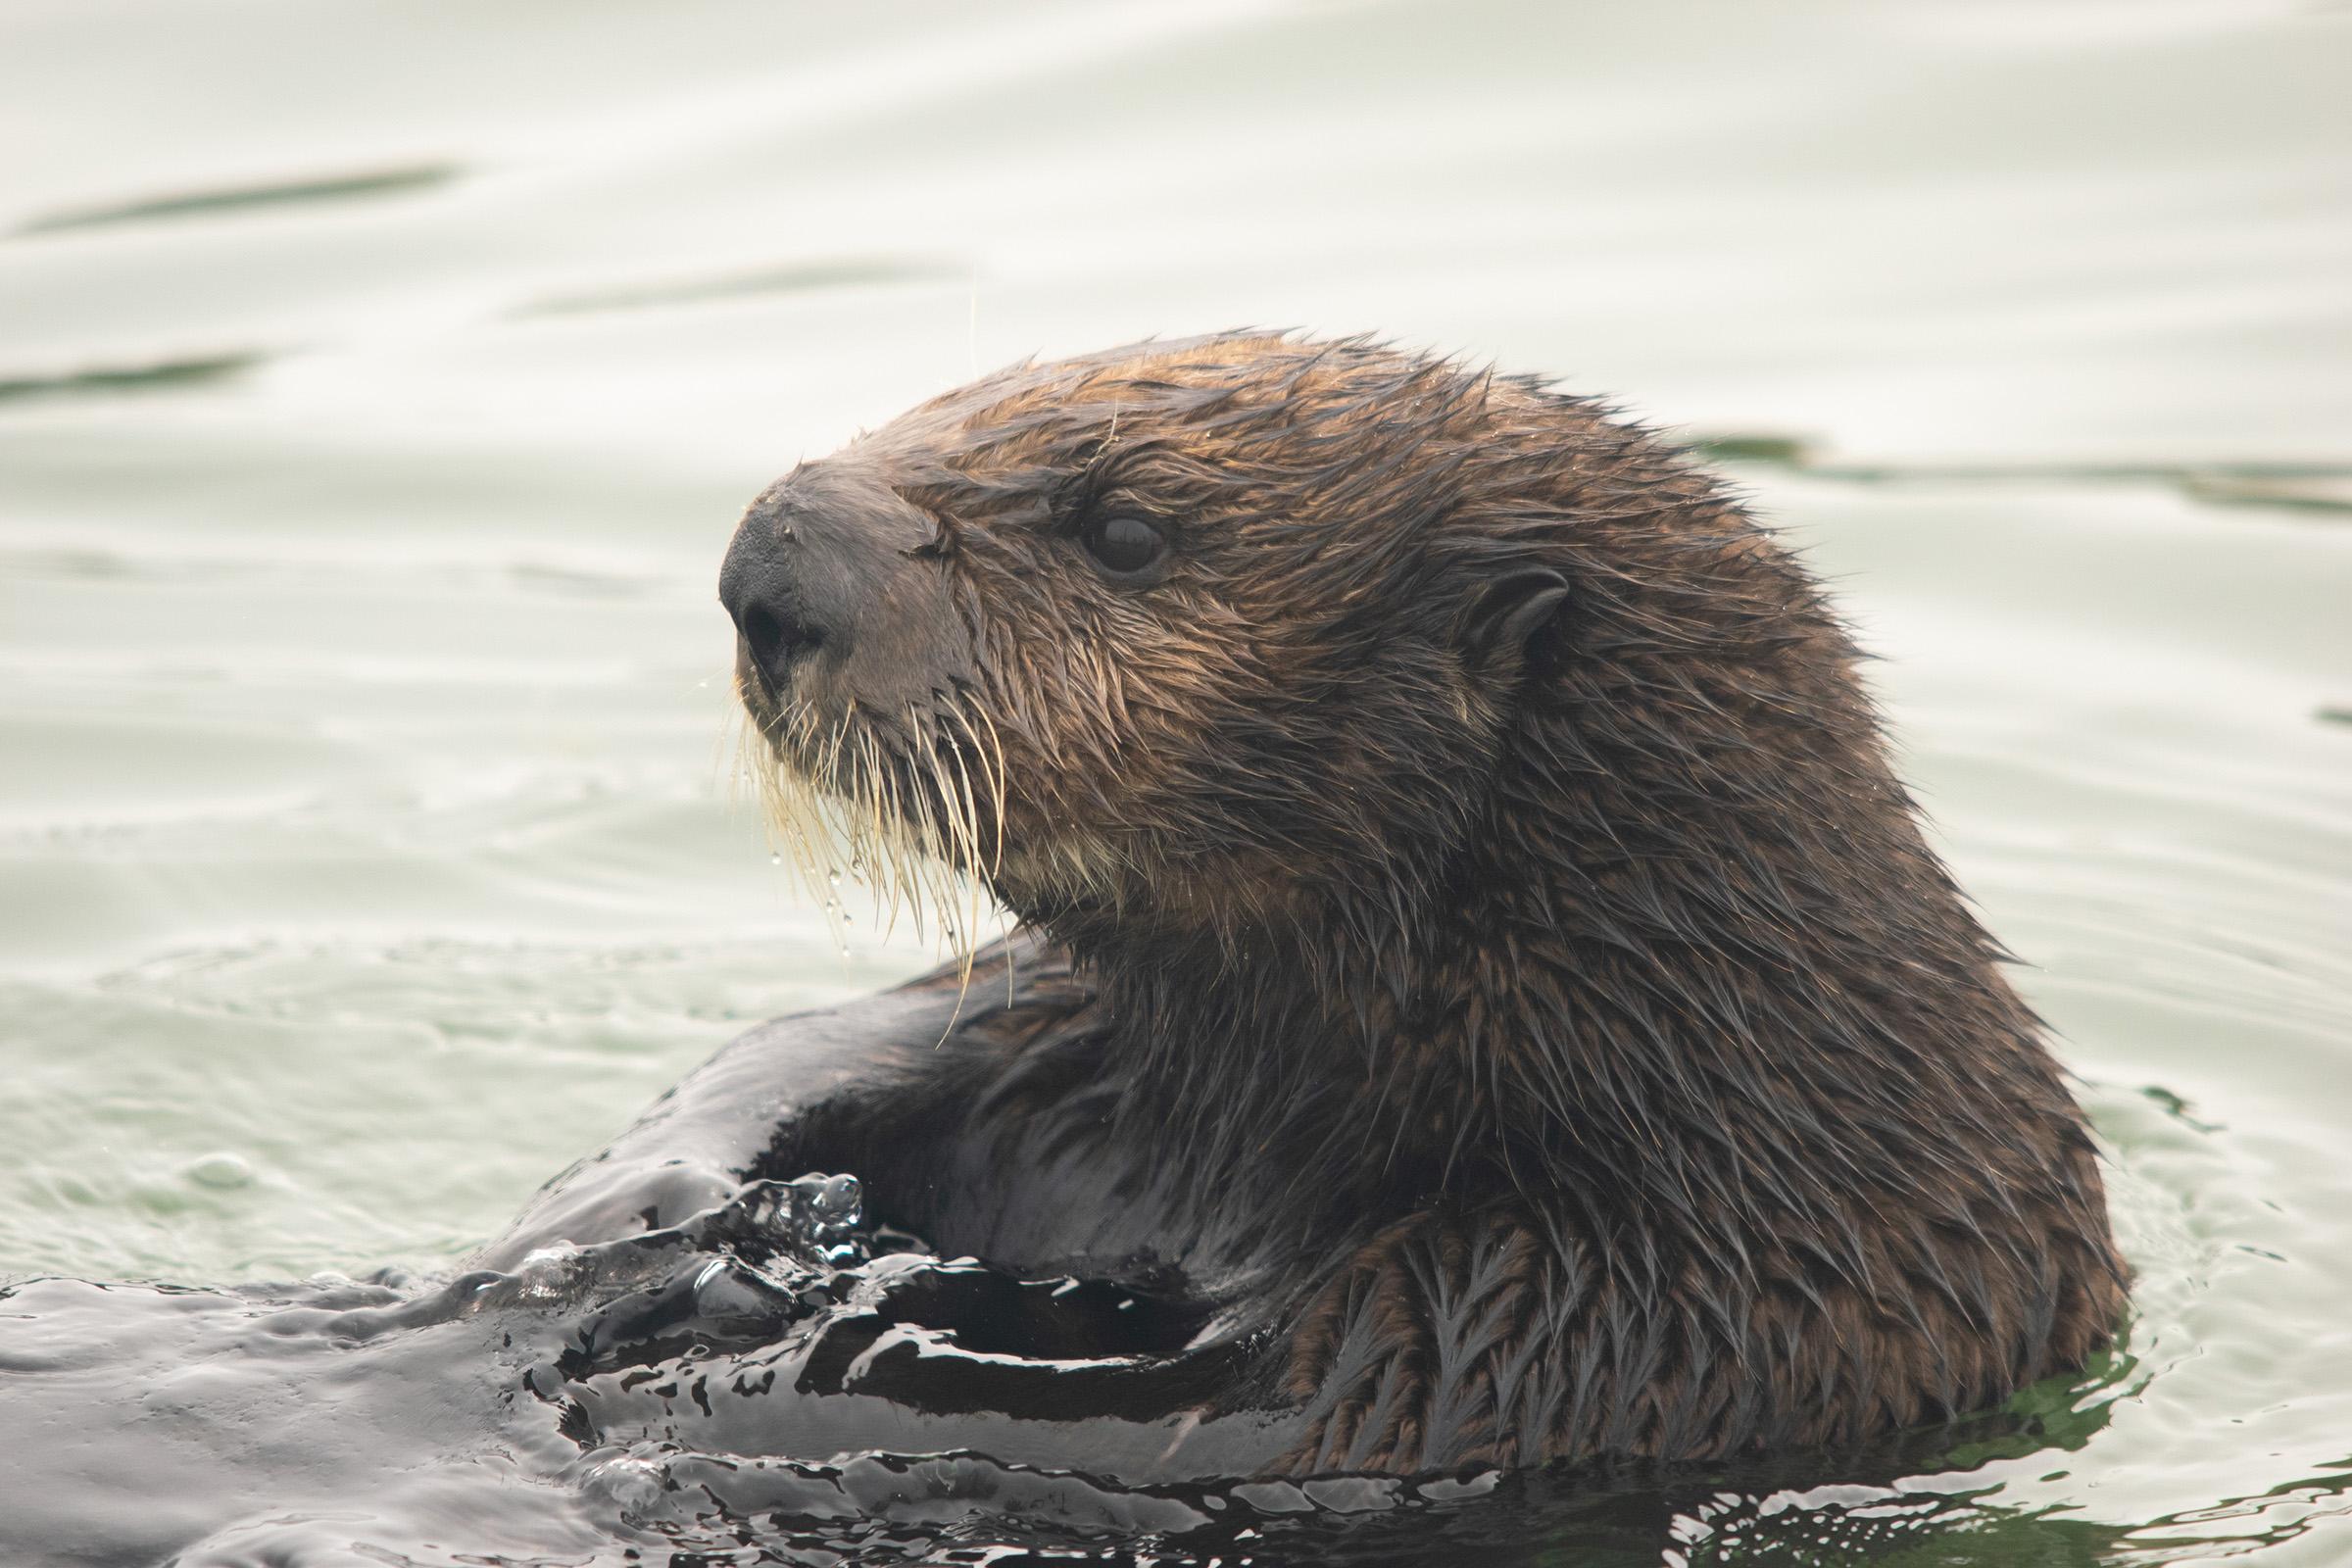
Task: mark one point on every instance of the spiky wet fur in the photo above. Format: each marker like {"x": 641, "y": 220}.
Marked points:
{"x": 1556, "y": 1050}
{"x": 898, "y": 810}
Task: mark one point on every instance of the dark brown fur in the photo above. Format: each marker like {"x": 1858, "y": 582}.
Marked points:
{"x": 1559, "y": 1045}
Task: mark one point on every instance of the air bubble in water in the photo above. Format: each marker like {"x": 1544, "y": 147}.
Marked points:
{"x": 220, "y": 1172}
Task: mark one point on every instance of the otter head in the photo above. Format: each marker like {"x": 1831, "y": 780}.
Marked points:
{"x": 1181, "y": 639}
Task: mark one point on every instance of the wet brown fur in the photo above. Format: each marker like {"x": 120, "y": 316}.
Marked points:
{"x": 1549, "y": 1049}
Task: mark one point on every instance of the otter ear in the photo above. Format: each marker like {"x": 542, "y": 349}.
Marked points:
{"x": 1513, "y": 608}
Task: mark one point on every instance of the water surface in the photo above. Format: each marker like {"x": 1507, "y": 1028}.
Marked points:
{"x": 379, "y": 387}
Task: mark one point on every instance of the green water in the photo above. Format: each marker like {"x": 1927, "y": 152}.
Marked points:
{"x": 379, "y": 387}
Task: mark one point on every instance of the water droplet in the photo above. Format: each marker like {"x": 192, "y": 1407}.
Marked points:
{"x": 775, "y": 860}
{"x": 220, "y": 1172}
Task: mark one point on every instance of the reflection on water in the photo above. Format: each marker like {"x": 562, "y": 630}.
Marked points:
{"x": 291, "y": 192}
{"x": 797, "y": 277}
{"x": 160, "y": 375}
{"x": 369, "y": 439}
{"x": 2303, "y": 486}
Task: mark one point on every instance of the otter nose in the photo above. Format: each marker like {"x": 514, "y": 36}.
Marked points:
{"x": 757, "y": 586}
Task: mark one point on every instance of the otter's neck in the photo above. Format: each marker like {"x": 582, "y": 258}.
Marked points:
{"x": 1696, "y": 966}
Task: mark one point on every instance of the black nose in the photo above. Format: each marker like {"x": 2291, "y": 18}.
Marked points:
{"x": 758, "y": 588}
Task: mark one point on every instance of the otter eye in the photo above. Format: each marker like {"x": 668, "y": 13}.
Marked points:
{"x": 1124, "y": 546}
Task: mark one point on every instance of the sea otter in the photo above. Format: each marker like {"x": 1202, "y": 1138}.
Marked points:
{"x": 1481, "y": 999}
{"x": 1480, "y": 981}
